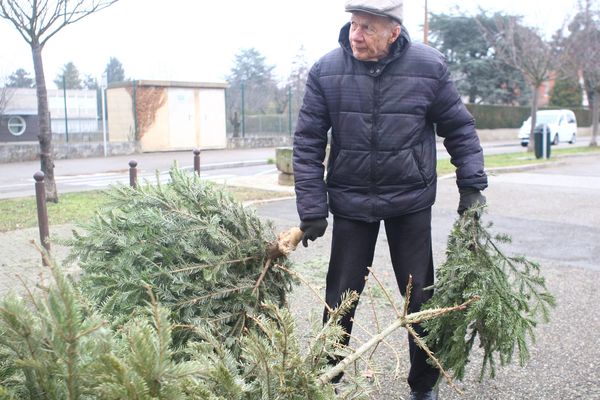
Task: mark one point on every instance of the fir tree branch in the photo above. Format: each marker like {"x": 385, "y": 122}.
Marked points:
{"x": 387, "y": 294}
{"x": 385, "y": 342}
{"x": 512, "y": 294}
{"x": 262, "y": 276}
{"x": 30, "y": 295}
{"x": 220, "y": 293}
{"x": 375, "y": 317}
{"x": 426, "y": 349}
{"x": 203, "y": 266}
{"x": 407, "y": 296}
{"x": 307, "y": 284}
{"x": 412, "y": 318}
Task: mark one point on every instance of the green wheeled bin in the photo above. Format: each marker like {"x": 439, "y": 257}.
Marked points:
{"x": 539, "y": 143}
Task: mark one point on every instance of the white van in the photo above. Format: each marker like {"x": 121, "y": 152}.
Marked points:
{"x": 561, "y": 123}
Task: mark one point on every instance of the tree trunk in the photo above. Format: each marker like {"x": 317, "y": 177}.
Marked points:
{"x": 534, "y": 108}
{"x": 595, "y": 115}
{"x": 45, "y": 134}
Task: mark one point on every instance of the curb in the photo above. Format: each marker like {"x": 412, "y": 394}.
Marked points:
{"x": 235, "y": 164}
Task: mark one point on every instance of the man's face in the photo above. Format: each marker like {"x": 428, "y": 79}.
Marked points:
{"x": 371, "y": 36}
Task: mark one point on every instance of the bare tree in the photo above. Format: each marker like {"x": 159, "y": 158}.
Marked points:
{"x": 297, "y": 79}
{"x": 6, "y": 92}
{"x": 37, "y": 21}
{"x": 524, "y": 49}
{"x": 581, "y": 54}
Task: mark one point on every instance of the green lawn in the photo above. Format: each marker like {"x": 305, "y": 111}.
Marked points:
{"x": 72, "y": 207}
{"x": 78, "y": 207}
{"x": 444, "y": 167}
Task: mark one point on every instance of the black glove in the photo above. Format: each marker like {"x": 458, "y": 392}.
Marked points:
{"x": 469, "y": 197}
{"x": 312, "y": 228}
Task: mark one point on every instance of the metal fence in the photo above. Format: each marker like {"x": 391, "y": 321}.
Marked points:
{"x": 79, "y": 131}
{"x": 263, "y": 125}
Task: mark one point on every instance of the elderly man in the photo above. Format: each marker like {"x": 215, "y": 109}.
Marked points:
{"x": 384, "y": 98}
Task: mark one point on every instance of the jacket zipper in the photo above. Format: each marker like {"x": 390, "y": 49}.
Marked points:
{"x": 375, "y": 139}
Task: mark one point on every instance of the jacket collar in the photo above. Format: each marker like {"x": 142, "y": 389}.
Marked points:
{"x": 398, "y": 48}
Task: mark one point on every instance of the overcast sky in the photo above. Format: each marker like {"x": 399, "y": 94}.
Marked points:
{"x": 193, "y": 40}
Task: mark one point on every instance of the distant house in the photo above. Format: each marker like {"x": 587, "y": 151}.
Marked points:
{"x": 166, "y": 115}
{"x": 19, "y": 120}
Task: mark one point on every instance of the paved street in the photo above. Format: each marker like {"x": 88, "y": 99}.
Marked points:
{"x": 552, "y": 216}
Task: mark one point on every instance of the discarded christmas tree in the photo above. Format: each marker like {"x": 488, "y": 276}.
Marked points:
{"x": 54, "y": 346}
{"x": 512, "y": 294}
{"x": 200, "y": 251}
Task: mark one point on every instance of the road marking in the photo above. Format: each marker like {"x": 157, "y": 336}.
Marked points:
{"x": 15, "y": 185}
{"x": 267, "y": 172}
{"x": 106, "y": 179}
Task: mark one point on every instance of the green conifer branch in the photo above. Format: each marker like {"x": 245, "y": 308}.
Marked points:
{"x": 513, "y": 297}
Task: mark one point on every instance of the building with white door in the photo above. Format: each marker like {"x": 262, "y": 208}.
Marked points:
{"x": 166, "y": 115}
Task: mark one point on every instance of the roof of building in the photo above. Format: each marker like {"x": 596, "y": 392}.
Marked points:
{"x": 177, "y": 84}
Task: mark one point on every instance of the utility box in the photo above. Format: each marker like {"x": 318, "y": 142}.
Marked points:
{"x": 166, "y": 115}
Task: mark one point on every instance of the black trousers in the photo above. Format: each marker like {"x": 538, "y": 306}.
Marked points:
{"x": 352, "y": 251}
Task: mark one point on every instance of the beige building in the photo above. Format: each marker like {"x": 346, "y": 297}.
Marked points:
{"x": 168, "y": 115}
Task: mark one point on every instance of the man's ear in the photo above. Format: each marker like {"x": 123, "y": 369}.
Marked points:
{"x": 395, "y": 34}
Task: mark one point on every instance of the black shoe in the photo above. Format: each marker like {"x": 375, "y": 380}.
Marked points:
{"x": 428, "y": 395}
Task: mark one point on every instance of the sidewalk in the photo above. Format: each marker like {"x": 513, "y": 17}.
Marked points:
{"x": 145, "y": 162}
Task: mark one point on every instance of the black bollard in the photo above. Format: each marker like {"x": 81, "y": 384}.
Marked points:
{"x": 42, "y": 212}
{"x": 197, "y": 161}
{"x": 133, "y": 173}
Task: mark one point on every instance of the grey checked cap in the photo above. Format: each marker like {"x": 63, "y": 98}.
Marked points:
{"x": 386, "y": 8}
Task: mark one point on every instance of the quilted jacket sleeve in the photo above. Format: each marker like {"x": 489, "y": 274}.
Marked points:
{"x": 457, "y": 126}
{"x": 310, "y": 142}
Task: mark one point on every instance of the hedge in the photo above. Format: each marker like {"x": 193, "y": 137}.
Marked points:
{"x": 495, "y": 117}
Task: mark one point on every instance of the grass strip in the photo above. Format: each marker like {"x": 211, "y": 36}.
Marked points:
{"x": 76, "y": 207}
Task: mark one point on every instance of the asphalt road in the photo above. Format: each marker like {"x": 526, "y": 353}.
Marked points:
{"x": 552, "y": 216}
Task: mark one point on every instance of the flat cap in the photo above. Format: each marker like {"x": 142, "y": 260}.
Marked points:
{"x": 385, "y": 8}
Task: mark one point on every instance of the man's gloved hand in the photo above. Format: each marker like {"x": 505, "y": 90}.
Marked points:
{"x": 469, "y": 197}
{"x": 312, "y": 228}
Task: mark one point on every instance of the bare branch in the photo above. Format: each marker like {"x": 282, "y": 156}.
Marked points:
{"x": 37, "y": 21}
{"x": 305, "y": 282}
{"x": 6, "y": 94}
{"x": 413, "y": 318}
{"x": 8, "y": 12}
{"x": 398, "y": 314}
{"x": 419, "y": 341}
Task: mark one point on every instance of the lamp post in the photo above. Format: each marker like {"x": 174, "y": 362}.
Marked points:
{"x": 103, "y": 85}
{"x": 65, "y": 103}
{"x": 426, "y": 26}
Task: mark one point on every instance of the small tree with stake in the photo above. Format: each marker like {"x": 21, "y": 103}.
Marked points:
{"x": 37, "y": 21}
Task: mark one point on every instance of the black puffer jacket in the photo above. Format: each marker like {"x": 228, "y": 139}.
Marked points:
{"x": 382, "y": 115}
